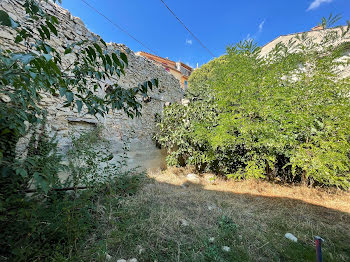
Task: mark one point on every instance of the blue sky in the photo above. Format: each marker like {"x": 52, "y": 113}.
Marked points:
{"x": 216, "y": 23}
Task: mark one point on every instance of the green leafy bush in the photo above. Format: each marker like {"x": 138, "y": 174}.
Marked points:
{"x": 281, "y": 116}
{"x": 66, "y": 222}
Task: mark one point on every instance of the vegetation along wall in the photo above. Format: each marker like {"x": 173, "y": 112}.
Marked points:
{"x": 118, "y": 128}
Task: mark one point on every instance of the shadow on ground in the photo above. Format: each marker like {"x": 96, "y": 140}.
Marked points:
{"x": 180, "y": 220}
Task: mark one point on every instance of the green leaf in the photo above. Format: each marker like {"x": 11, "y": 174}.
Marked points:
{"x": 108, "y": 59}
{"x": 63, "y": 91}
{"x": 46, "y": 31}
{"x": 54, "y": 19}
{"x": 5, "y": 18}
{"x": 92, "y": 52}
{"x": 69, "y": 96}
{"x": 155, "y": 82}
{"x": 18, "y": 39}
{"x": 52, "y": 28}
{"x": 22, "y": 172}
{"x": 67, "y": 50}
{"x": 41, "y": 182}
{"x": 103, "y": 42}
{"x": 124, "y": 58}
{"x": 79, "y": 105}
{"x": 116, "y": 59}
{"x": 41, "y": 33}
{"x": 98, "y": 48}
{"x": 98, "y": 75}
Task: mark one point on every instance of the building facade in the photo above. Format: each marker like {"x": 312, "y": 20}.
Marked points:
{"x": 178, "y": 69}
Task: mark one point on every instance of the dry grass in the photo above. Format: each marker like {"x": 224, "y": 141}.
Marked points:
{"x": 250, "y": 216}
{"x": 329, "y": 198}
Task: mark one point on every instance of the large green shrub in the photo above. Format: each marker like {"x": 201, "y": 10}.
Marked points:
{"x": 282, "y": 116}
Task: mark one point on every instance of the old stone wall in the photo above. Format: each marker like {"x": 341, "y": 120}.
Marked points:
{"x": 117, "y": 126}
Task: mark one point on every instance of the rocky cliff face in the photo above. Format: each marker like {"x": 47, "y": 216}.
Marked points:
{"x": 117, "y": 126}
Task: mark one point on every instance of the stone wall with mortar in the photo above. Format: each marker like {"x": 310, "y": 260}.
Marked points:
{"x": 117, "y": 126}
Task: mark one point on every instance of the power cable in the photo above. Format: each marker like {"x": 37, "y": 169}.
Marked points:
{"x": 171, "y": 11}
{"x": 118, "y": 26}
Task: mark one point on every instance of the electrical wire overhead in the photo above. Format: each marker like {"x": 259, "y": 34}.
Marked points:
{"x": 199, "y": 41}
{"x": 118, "y": 26}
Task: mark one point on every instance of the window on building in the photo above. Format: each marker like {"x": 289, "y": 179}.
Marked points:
{"x": 185, "y": 84}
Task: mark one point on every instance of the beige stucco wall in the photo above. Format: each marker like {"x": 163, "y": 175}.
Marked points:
{"x": 317, "y": 38}
{"x": 314, "y": 36}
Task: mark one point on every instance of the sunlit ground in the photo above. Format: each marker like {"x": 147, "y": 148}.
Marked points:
{"x": 179, "y": 218}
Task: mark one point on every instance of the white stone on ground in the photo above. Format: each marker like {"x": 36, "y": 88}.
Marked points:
{"x": 185, "y": 102}
{"x": 184, "y": 223}
{"x": 211, "y": 239}
{"x": 192, "y": 177}
{"x": 226, "y": 248}
{"x": 121, "y": 260}
{"x": 291, "y": 237}
{"x": 212, "y": 206}
{"x": 132, "y": 260}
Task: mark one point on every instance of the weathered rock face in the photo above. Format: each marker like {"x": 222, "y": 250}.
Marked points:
{"x": 117, "y": 126}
